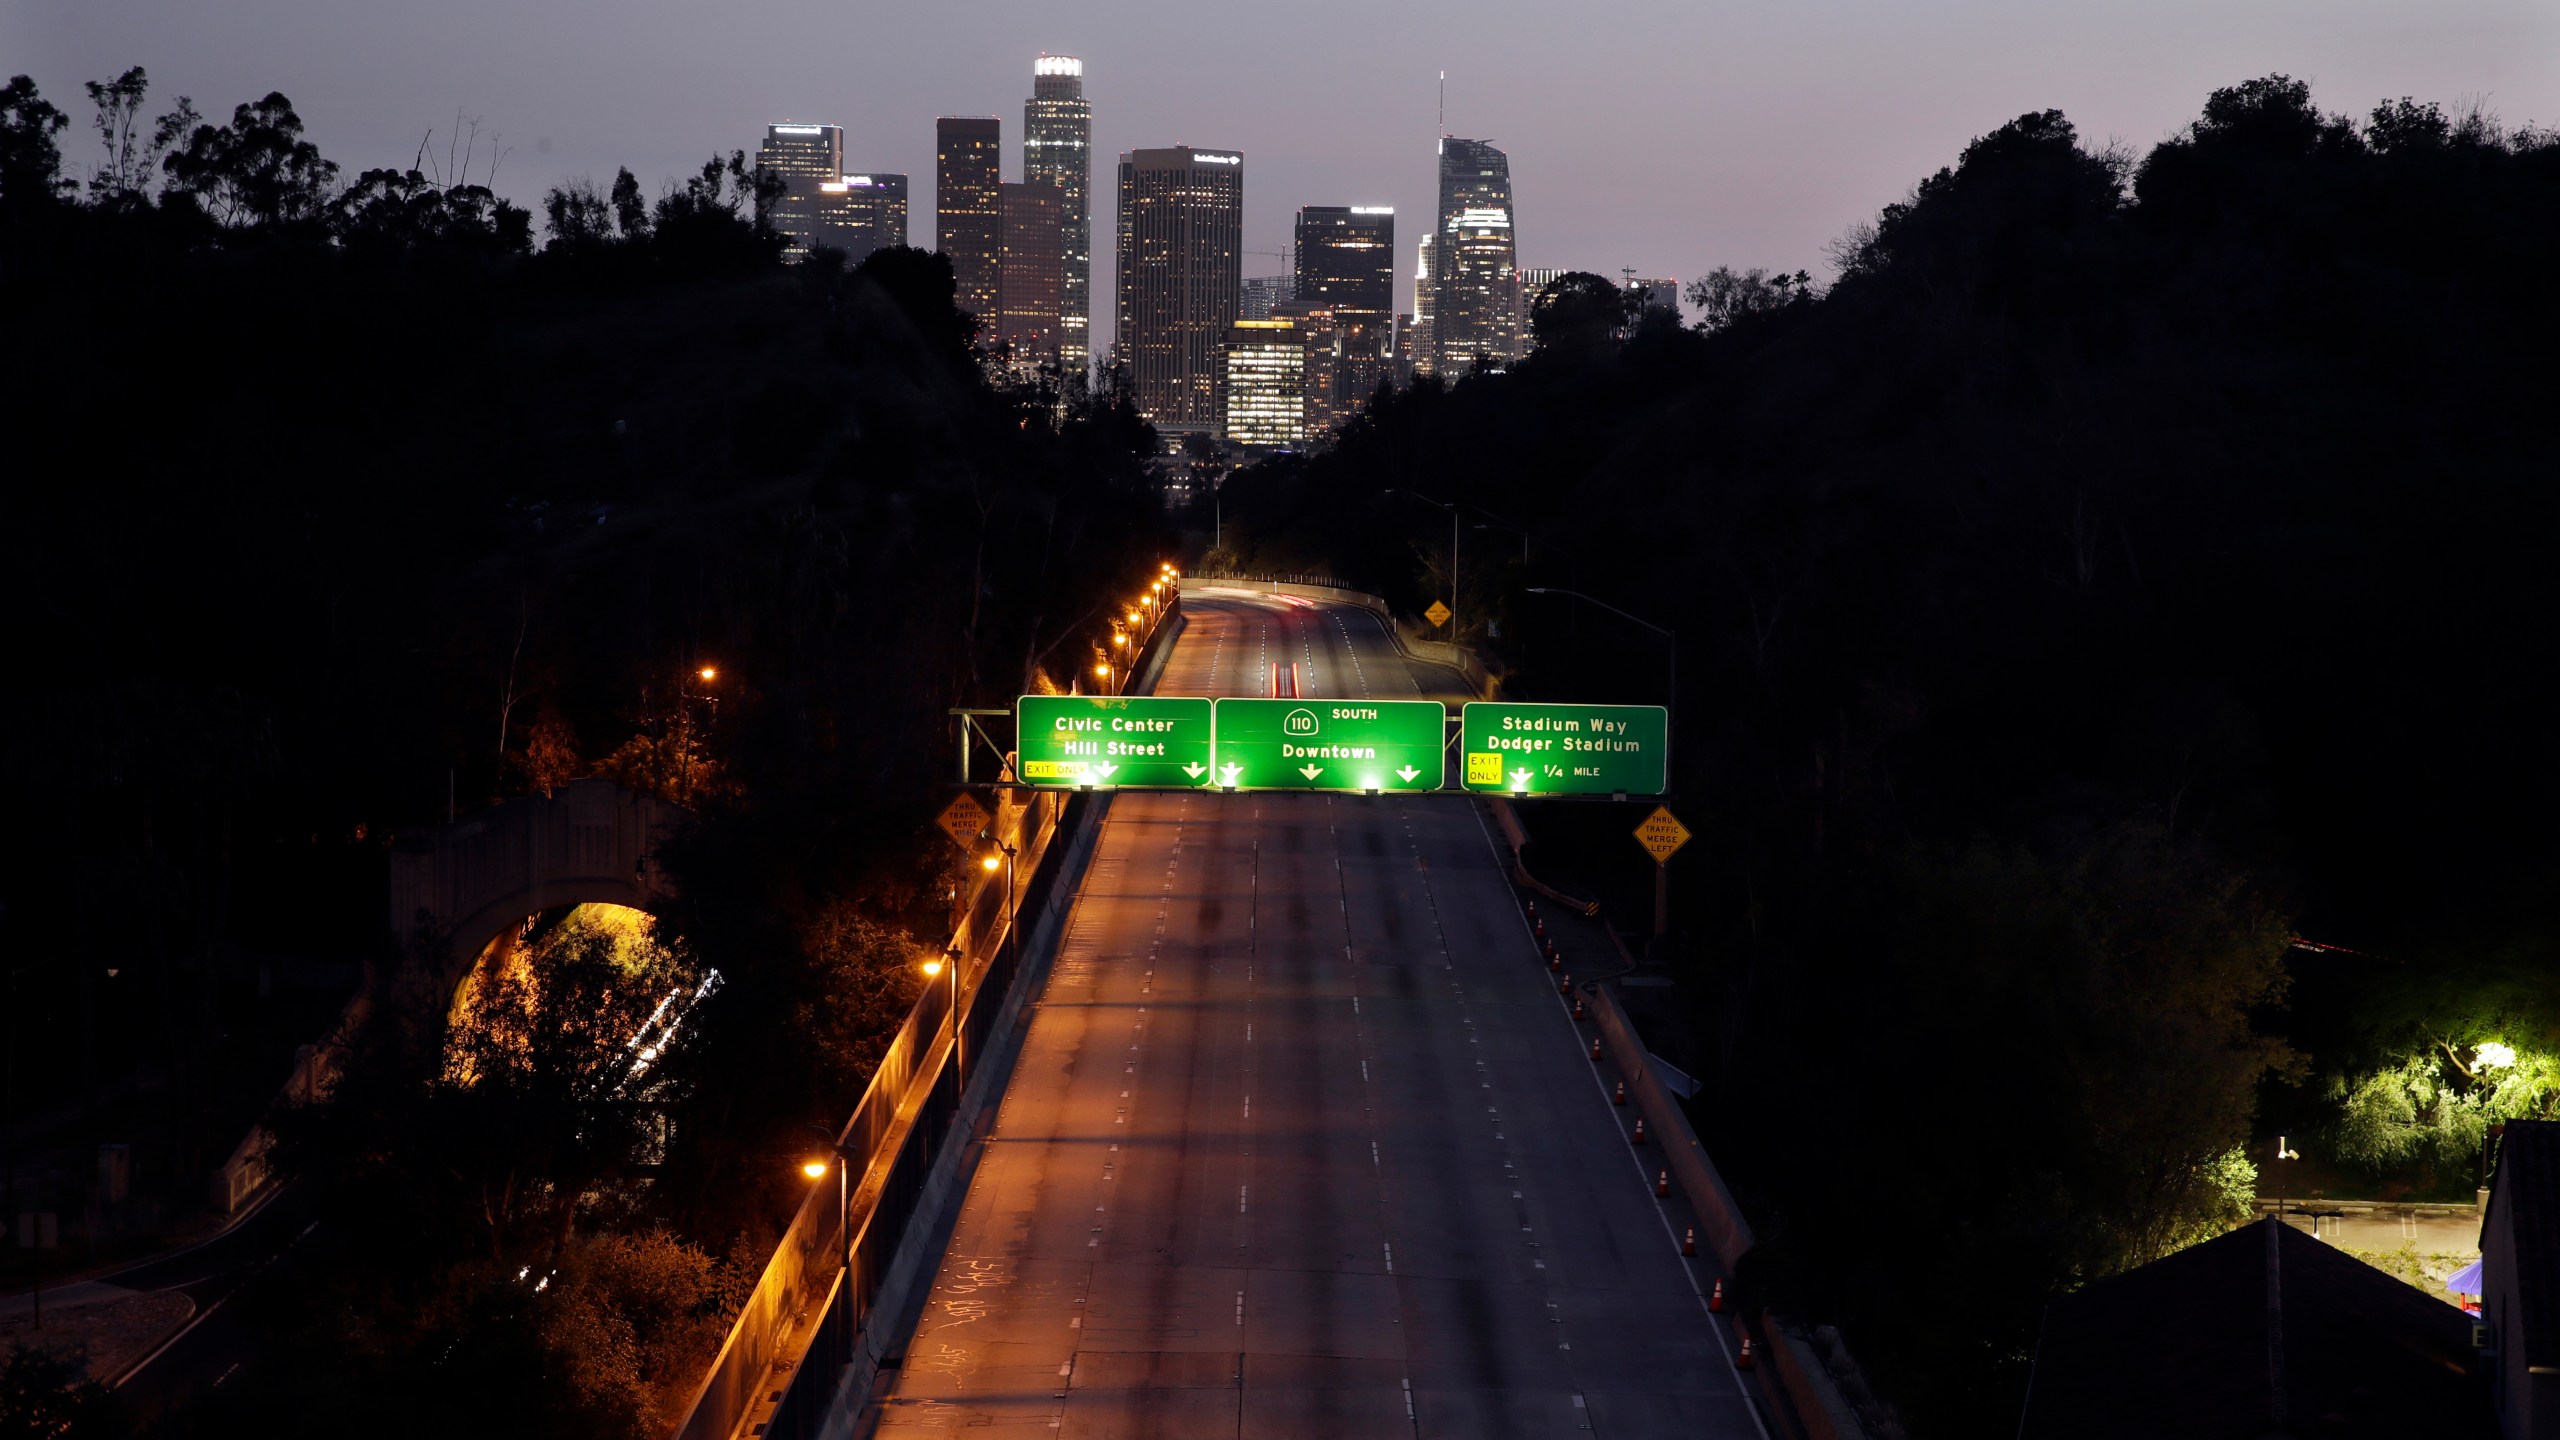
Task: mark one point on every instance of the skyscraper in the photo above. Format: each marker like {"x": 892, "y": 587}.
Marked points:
{"x": 967, "y": 223}
{"x": 1181, "y": 266}
{"x": 1261, "y": 296}
{"x": 1476, "y": 266}
{"x": 1347, "y": 265}
{"x": 1057, "y": 146}
{"x": 862, "y": 213}
{"x": 1420, "y": 348}
{"x": 806, "y": 157}
{"x": 1032, "y": 275}
{"x": 1263, "y": 397}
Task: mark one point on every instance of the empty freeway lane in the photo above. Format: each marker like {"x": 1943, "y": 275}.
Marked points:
{"x": 1300, "y": 1142}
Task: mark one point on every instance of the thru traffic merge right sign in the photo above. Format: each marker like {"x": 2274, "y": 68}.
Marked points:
{"x": 964, "y": 819}
{"x": 1661, "y": 834}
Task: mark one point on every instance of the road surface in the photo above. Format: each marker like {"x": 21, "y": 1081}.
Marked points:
{"x": 1301, "y": 1141}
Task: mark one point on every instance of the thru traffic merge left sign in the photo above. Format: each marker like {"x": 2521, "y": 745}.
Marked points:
{"x": 1661, "y": 834}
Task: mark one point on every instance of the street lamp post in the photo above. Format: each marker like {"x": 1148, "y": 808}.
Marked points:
{"x": 1453, "y": 551}
{"x": 1670, "y": 729}
{"x": 951, "y": 961}
{"x": 2282, "y": 1154}
{"x": 844, "y": 1162}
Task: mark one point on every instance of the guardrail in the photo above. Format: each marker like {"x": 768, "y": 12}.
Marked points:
{"x": 808, "y": 1306}
{"x": 801, "y": 1332}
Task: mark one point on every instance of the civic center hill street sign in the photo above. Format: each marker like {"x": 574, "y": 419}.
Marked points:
{"x": 1076, "y": 740}
{"x": 1383, "y": 745}
{"x": 1541, "y": 749}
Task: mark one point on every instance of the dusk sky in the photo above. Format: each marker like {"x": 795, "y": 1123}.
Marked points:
{"x": 1667, "y": 137}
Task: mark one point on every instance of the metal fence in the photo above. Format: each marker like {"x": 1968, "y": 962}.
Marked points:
{"x": 808, "y": 1310}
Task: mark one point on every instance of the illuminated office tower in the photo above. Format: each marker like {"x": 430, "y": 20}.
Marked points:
{"x": 1181, "y": 266}
{"x": 1476, "y": 267}
{"x": 805, "y": 157}
{"x": 862, "y": 213}
{"x": 967, "y": 223}
{"x": 1265, "y": 386}
{"x": 1031, "y": 279}
{"x": 1347, "y": 268}
{"x": 1320, "y": 339}
{"x": 1420, "y": 357}
{"x": 1663, "y": 294}
{"x": 1057, "y": 146}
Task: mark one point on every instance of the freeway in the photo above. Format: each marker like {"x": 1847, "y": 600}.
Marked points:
{"x": 1301, "y": 1142}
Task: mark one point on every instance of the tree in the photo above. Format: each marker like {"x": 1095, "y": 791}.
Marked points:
{"x": 44, "y": 1396}
{"x": 403, "y": 210}
{"x": 1580, "y": 311}
{"x": 576, "y": 215}
{"x": 256, "y": 172}
{"x": 30, "y": 159}
{"x": 1724, "y": 297}
{"x": 133, "y": 157}
{"x": 630, "y": 212}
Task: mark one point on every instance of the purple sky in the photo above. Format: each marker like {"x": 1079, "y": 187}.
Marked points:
{"x": 1667, "y": 135}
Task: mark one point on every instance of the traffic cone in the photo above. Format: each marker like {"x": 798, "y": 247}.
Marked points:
{"x": 1715, "y": 1297}
{"x": 1533, "y": 909}
{"x": 1564, "y": 984}
{"x": 1639, "y": 1132}
{"x": 1555, "y": 962}
{"x": 1577, "y": 1007}
{"x": 1662, "y": 1183}
{"x": 1742, "y": 1358}
{"x": 1538, "y": 927}
{"x": 1621, "y": 1097}
{"x": 1689, "y": 1246}
{"x": 1595, "y": 1047}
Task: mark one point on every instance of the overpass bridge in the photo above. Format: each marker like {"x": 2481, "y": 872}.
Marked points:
{"x": 1301, "y": 1139}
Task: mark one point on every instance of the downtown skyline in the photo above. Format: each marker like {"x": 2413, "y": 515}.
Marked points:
{"x": 1752, "y": 137}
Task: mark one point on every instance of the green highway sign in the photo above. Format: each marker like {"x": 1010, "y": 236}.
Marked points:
{"x": 1384, "y": 745}
{"x": 1515, "y": 749}
{"x": 1074, "y": 740}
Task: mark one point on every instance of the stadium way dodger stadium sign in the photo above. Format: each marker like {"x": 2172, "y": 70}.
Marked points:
{"x": 1543, "y": 749}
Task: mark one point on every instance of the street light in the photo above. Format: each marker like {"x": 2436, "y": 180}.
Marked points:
{"x": 1453, "y": 551}
{"x": 816, "y": 1169}
{"x": 2282, "y": 1154}
{"x": 1670, "y": 728}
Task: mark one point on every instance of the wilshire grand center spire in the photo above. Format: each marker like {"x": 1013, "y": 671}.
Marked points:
{"x": 1475, "y": 264}
{"x": 1057, "y": 146}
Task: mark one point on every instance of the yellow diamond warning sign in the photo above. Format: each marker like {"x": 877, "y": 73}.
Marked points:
{"x": 962, "y": 820}
{"x": 1661, "y": 834}
{"x": 1438, "y": 614}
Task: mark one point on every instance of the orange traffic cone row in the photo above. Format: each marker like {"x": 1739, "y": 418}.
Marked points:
{"x": 1715, "y": 1297}
{"x": 1742, "y": 1358}
{"x": 1621, "y": 1097}
{"x": 1689, "y": 1246}
{"x": 1662, "y": 1183}
{"x": 1639, "y": 1132}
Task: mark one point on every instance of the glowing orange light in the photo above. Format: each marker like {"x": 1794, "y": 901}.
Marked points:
{"x": 932, "y": 968}
{"x": 710, "y": 672}
{"x": 993, "y": 862}
{"x": 814, "y": 1169}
